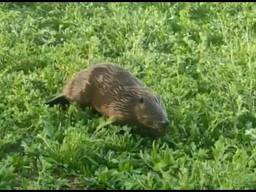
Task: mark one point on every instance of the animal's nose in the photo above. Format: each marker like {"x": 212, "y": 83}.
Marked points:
{"x": 165, "y": 123}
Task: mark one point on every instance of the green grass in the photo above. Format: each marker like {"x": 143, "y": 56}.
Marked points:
{"x": 201, "y": 59}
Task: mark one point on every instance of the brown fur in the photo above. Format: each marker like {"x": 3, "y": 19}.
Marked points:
{"x": 116, "y": 93}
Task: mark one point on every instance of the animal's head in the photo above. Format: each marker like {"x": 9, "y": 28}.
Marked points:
{"x": 150, "y": 113}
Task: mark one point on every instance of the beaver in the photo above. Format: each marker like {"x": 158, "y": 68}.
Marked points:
{"x": 115, "y": 93}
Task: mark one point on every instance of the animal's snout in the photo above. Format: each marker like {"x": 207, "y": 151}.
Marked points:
{"x": 165, "y": 123}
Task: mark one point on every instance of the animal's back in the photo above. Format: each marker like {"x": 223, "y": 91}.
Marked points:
{"x": 112, "y": 75}
{"x": 109, "y": 84}
{"x": 100, "y": 84}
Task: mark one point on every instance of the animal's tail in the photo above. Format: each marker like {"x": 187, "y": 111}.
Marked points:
{"x": 59, "y": 100}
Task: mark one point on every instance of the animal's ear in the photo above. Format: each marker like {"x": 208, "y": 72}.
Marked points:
{"x": 141, "y": 99}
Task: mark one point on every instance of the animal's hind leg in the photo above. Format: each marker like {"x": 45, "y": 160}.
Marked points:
{"x": 79, "y": 90}
{"x": 76, "y": 90}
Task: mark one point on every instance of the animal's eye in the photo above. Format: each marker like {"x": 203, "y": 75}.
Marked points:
{"x": 141, "y": 100}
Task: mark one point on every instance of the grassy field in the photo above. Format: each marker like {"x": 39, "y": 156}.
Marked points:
{"x": 201, "y": 59}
